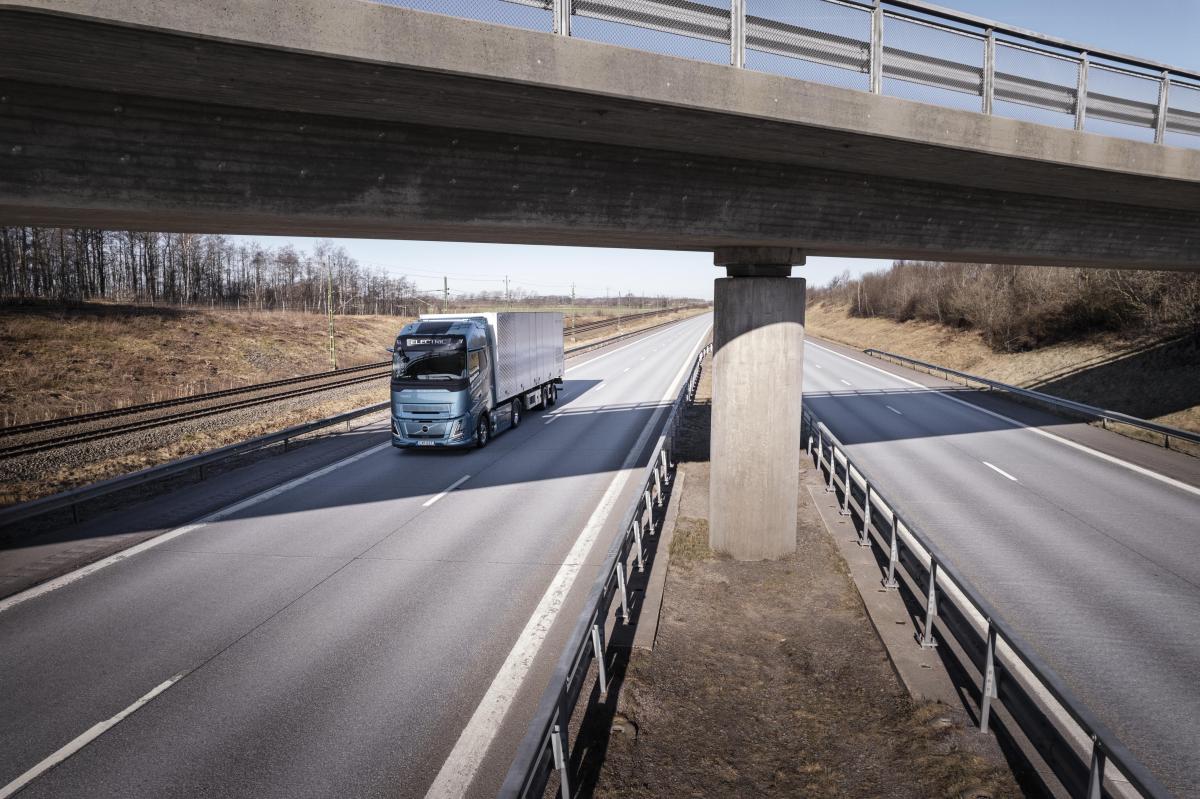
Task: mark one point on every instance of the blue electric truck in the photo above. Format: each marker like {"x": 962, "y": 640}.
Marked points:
{"x": 459, "y": 379}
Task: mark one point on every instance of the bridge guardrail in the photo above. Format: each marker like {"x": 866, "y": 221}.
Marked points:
{"x": 1088, "y": 411}
{"x": 1074, "y": 745}
{"x": 73, "y": 497}
{"x": 545, "y": 748}
{"x": 904, "y": 48}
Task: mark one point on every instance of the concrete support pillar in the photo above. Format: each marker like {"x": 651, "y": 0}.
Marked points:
{"x": 758, "y": 360}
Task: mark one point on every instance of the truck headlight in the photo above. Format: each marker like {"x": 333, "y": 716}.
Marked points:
{"x": 457, "y": 429}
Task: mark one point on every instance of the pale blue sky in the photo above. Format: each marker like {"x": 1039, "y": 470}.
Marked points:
{"x": 1164, "y": 30}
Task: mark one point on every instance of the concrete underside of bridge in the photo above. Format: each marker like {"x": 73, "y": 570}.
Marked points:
{"x": 347, "y": 118}
{"x": 339, "y": 117}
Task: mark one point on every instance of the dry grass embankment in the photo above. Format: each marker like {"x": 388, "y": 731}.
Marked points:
{"x": 60, "y": 361}
{"x": 1139, "y": 376}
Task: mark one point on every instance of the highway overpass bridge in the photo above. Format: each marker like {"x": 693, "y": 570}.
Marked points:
{"x": 341, "y": 117}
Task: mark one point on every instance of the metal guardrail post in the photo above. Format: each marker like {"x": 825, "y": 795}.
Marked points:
{"x": 1081, "y": 90}
{"x": 927, "y": 640}
{"x": 864, "y": 540}
{"x": 562, "y": 16}
{"x": 557, "y": 745}
{"x": 893, "y": 555}
{"x": 1160, "y": 118}
{"x": 845, "y": 511}
{"x": 876, "y": 59}
{"x": 637, "y": 542}
{"x": 1096, "y": 771}
{"x": 989, "y": 679}
{"x": 598, "y": 650}
{"x": 989, "y": 71}
{"x": 649, "y": 512}
{"x": 832, "y": 467}
{"x": 737, "y": 33}
{"x": 624, "y": 594}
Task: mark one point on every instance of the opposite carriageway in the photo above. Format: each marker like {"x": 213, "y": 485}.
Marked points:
{"x": 1081, "y": 541}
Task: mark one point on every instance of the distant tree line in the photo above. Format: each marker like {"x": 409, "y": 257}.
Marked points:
{"x": 73, "y": 264}
{"x": 1021, "y": 307}
{"x": 79, "y": 264}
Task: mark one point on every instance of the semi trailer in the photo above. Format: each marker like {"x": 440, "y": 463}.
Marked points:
{"x": 459, "y": 379}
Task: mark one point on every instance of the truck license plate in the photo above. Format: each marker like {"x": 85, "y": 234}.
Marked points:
{"x": 424, "y": 443}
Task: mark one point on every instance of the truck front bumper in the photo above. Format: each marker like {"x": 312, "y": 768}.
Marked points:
{"x": 423, "y": 433}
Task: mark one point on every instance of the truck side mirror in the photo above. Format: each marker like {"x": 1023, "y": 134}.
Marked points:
{"x": 391, "y": 350}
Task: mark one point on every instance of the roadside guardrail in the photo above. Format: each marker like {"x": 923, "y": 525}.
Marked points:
{"x": 1088, "y": 411}
{"x": 72, "y": 498}
{"x": 1014, "y": 683}
{"x": 545, "y": 749}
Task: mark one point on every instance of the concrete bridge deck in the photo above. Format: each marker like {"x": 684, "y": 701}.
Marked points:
{"x": 345, "y": 117}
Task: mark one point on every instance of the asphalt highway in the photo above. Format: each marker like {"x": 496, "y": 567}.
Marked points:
{"x": 375, "y": 628}
{"x": 1094, "y": 561}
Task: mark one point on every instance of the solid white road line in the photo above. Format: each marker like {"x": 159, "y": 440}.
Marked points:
{"x": 83, "y": 740}
{"x": 893, "y": 410}
{"x": 600, "y": 387}
{"x": 79, "y": 574}
{"x": 1000, "y": 471}
{"x": 1133, "y": 467}
{"x": 847, "y": 382}
{"x": 452, "y": 486}
{"x": 459, "y": 769}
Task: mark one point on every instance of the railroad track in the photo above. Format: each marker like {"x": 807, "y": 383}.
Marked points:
{"x": 129, "y": 410}
{"x": 14, "y": 450}
{"x": 226, "y": 400}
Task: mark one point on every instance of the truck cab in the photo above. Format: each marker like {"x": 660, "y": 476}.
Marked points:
{"x": 441, "y": 383}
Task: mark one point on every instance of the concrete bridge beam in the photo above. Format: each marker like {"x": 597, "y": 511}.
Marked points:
{"x": 758, "y": 361}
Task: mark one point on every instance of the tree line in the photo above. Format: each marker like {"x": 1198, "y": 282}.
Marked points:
{"x": 80, "y": 264}
{"x": 75, "y": 264}
{"x": 1022, "y": 307}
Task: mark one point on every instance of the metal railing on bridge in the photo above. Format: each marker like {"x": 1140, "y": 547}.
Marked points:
{"x": 903, "y": 48}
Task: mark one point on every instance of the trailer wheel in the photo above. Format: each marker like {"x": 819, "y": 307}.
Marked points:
{"x": 551, "y": 395}
{"x": 482, "y": 433}
{"x": 516, "y": 412}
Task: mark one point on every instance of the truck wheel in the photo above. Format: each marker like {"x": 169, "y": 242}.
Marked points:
{"x": 482, "y": 433}
{"x": 551, "y": 395}
{"x": 516, "y": 412}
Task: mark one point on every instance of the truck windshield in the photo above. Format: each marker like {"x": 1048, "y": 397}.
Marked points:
{"x": 427, "y": 365}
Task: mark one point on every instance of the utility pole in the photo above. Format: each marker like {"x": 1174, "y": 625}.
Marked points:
{"x": 572, "y": 312}
{"x": 329, "y": 309}
{"x": 445, "y": 293}
{"x": 507, "y": 297}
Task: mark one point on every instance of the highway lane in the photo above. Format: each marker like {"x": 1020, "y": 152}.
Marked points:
{"x": 334, "y": 638}
{"x": 1096, "y": 564}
